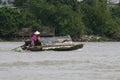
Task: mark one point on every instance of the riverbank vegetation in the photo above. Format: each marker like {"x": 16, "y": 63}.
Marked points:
{"x": 89, "y": 17}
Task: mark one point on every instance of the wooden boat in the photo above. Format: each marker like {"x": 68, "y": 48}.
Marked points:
{"x": 61, "y": 43}
{"x": 55, "y": 47}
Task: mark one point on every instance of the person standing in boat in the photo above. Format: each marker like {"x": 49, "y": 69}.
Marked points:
{"x": 35, "y": 40}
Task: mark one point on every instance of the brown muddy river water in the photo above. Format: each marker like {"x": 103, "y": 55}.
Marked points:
{"x": 95, "y": 61}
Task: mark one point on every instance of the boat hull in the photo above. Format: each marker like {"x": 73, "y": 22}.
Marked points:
{"x": 55, "y": 47}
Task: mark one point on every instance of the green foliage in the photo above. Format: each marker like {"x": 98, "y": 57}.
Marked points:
{"x": 91, "y": 17}
{"x": 11, "y": 20}
{"x": 7, "y": 21}
{"x": 69, "y": 22}
{"x": 98, "y": 19}
{"x": 59, "y": 14}
{"x": 20, "y": 3}
{"x": 116, "y": 14}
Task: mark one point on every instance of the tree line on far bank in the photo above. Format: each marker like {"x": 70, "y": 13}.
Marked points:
{"x": 89, "y": 17}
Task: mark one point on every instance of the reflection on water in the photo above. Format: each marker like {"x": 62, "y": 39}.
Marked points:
{"x": 96, "y": 61}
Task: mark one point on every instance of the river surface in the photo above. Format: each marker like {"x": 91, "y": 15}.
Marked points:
{"x": 95, "y": 61}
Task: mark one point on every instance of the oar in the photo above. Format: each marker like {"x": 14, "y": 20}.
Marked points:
{"x": 17, "y": 47}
